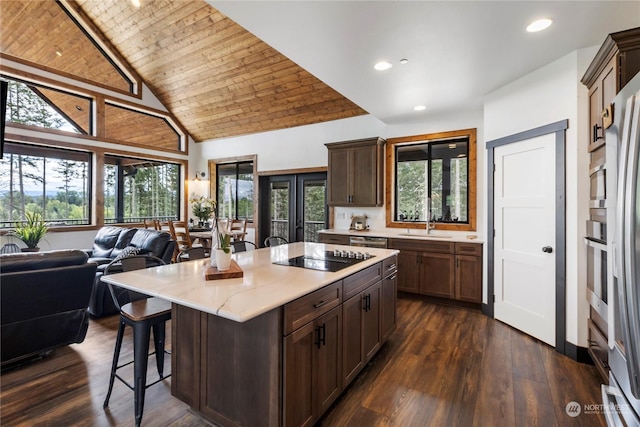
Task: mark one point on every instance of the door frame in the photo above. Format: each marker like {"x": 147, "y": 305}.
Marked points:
{"x": 559, "y": 129}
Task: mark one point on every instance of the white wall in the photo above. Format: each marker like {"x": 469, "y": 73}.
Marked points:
{"x": 550, "y": 94}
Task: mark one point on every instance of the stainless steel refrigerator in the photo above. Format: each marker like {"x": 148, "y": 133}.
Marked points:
{"x": 621, "y": 397}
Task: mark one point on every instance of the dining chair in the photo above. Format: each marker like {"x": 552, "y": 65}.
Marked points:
{"x": 243, "y": 246}
{"x": 180, "y": 233}
{"x": 143, "y": 314}
{"x": 157, "y": 225}
{"x": 238, "y": 229}
{"x": 193, "y": 253}
{"x": 9, "y": 248}
{"x": 275, "y": 241}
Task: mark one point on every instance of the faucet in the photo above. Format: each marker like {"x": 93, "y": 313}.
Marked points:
{"x": 430, "y": 225}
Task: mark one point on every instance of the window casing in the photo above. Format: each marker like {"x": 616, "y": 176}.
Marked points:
{"x": 138, "y": 189}
{"x": 54, "y": 182}
{"x": 234, "y": 189}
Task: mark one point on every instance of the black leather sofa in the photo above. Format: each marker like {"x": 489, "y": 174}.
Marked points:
{"x": 43, "y": 302}
{"x": 111, "y": 242}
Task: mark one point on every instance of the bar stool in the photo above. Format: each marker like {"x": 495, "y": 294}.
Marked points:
{"x": 143, "y": 314}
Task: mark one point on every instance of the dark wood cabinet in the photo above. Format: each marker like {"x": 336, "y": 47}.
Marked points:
{"x": 389, "y": 297}
{"x": 355, "y": 175}
{"x": 440, "y": 269}
{"x": 334, "y": 239}
{"x": 616, "y": 62}
{"x": 312, "y": 375}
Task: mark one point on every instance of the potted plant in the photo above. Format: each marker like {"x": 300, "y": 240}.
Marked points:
{"x": 31, "y": 231}
{"x": 202, "y": 208}
{"x": 223, "y": 251}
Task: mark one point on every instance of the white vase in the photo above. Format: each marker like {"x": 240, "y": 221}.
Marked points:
{"x": 223, "y": 260}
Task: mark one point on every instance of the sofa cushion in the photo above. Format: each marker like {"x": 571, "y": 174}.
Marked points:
{"x": 41, "y": 260}
{"x": 150, "y": 242}
{"x": 124, "y": 241}
{"x": 105, "y": 241}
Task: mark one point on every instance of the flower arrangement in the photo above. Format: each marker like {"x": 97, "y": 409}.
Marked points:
{"x": 202, "y": 208}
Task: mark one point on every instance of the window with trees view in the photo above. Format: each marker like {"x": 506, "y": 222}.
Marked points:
{"x": 435, "y": 176}
{"x": 35, "y": 105}
{"x": 50, "y": 181}
{"x": 137, "y": 189}
{"x": 234, "y": 189}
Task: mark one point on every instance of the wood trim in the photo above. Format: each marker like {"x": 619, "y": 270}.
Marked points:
{"x": 293, "y": 171}
{"x": 92, "y": 32}
{"x": 472, "y": 179}
{"x": 99, "y": 98}
{"x": 614, "y": 43}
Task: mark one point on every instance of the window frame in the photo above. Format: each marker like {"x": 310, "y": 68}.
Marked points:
{"x": 390, "y": 179}
{"x": 213, "y": 183}
{"x": 30, "y": 149}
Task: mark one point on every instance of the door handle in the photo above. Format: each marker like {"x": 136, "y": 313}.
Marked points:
{"x": 547, "y": 249}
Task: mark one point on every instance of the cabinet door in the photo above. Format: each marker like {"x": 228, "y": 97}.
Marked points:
{"x": 299, "y": 347}
{"x": 352, "y": 355}
{"x": 388, "y": 306}
{"x": 469, "y": 278}
{"x": 596, "y": 133}
{"x": 364, "y": 176}
{"x": 371, "y": 321}
{"x": 437, "y": 274}
{"x": 339, "y": 180}
{"x": 327, "y": 363}
{"x": 408, "y": 273}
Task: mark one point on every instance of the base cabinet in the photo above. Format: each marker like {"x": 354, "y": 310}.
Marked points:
{"x": 451, "y": 270}
{"x": 312, "y": 374}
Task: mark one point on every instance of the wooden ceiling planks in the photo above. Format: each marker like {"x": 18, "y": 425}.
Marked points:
{"x": 218, "y": 79}
{"x": 35, "y": 31}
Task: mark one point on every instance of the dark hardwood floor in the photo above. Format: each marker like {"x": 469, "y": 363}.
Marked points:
{"x": 444, "y": 366}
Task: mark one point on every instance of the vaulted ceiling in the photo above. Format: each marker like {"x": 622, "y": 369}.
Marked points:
{"x": 215, "y": 77}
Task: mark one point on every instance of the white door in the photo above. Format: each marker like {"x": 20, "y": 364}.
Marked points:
{"x": 524, "y": 255}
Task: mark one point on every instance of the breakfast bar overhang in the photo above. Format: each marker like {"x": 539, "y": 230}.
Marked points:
{"x": 277, "y": 346}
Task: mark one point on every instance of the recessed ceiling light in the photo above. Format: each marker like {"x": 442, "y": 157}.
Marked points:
{"x": 539, "y": 25}
{"x": 419, "y": 107}
{"x": 383, "y": 65}
{"x": 404, "y": 61}
{"x": 136, "y": 3}
{"x": 59, "y": 52}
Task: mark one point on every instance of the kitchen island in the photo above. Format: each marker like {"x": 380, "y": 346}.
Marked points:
{"x": 279, "y": 345}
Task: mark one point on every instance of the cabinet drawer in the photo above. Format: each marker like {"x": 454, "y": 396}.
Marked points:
{"x": 422, "y": 245}
{"x": 389, "y": 266}
{"x": 361, "y": 280}
{"x": 335, "y": 239}
{"x": 474, "y": 249}
{"x": 305, "y": 309}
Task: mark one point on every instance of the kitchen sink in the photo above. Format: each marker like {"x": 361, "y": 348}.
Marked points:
{"x": 427, "y": 236}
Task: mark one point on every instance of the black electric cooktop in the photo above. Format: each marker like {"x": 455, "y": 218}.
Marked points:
{"x": 331, "y": 261}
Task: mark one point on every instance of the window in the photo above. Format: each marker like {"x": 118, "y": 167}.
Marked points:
{"x": 234, "y": 189}
{"x": 135, "y": 189}
{"x": 432, "y": 175}
{"x": 50, "y": 181}
{"x": 35, "y": 105}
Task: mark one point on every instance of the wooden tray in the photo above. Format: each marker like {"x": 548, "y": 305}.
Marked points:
{"x": 234, "y": 272}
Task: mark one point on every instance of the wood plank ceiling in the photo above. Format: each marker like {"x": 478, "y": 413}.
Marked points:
{"x": 215, "y": 77}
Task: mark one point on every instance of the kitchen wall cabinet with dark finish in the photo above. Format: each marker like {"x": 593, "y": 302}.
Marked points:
{"x": 616, "y": 62}
{"x": 355, "y": 175}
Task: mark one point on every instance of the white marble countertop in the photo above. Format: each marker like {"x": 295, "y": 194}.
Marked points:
{"x": 264, "y": 286}
{"x": 402, "y": 233}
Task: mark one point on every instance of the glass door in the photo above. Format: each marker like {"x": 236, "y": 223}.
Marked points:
{"x": 295, "y": 208}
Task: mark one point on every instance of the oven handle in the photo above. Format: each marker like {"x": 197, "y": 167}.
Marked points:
{"x": 595, "y": 244}
{"x": 609, "y": 402}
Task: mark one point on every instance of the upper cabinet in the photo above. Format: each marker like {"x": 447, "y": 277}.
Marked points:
{"x": 356, "y": 172}
{"x": 617, "y": 62}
